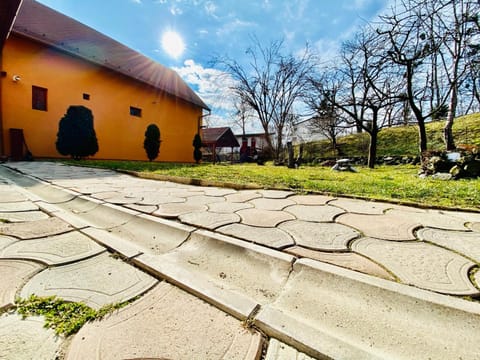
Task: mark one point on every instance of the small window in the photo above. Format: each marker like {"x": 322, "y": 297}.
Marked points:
{"x": 135, "y": 111}
{"x": 39, "y": 98}
{"x": 86, "y": 96}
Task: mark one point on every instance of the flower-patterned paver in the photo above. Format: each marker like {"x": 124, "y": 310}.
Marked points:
{"x": 96, "y": 281}
{"x": 23, "y": 216}
{"x": 317, "y": 213}
{"x": 432, "y": 218}
{"x": 36, "y": 229}
{"x": 146, "y": 209}
{"x": 209, "y": 220}
{"x": 271, "y": 237}
{"x": 26, "y": 339}
{"x": 243, "y": 196}
{"x": 174, "y": 210}
{"x": 158, "y": 198}
{"x": 311, "y": 199}
{"x": 17, "y": 206}
{"x": 361, "y": 206}
{"x": 387, "y": 226}
{"x": 347, "y": 260}
{"x": 475, "y": 226}
{"x": 320, "y": 236}
{"x": 13, "y": 274}
{"x": 466, "y": 243}
{"x": 228, "y": 207}
{"x": 203, "y": 200}
{"x": 215, "y": 191}
{"x": 280, "y": 351}
{"x": 275, "y": 194}
{"x": 54, "y": 250}
{"x": 263, "y": 218}
{"x": 421, "y": 264}
{"x": 6, "y": 241}
{"x": 12, "y": 196}
{"x": 271, "y": 204}
{"x": 166, "y": 323}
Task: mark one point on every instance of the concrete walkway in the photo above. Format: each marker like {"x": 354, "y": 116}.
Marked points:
{"x": 229, "y": 274}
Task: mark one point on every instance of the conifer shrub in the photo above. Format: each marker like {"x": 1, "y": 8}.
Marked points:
{"x": 76, "y": 135}
{"x": 197, "y": 144}
{"x": 151, "y": 144}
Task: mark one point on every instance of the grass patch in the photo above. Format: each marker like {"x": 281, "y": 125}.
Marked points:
{"x": 389, "y": 183}
{"x": 65, "y": 318}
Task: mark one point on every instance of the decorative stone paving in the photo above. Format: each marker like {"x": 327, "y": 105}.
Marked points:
{"x": 280, "y": 351}
{"x": 166, "y": 323}
{"x": 467, "y": 243}
{"x": 214, "y": 191}
{"x": 275, "y": 194}
{"x": 435, "y": 219}
{"x": 347, "y": 260}
{"x": 243, "y": 196}
{"x": 23, "y": 216}
{"x": 476, "y": 278}
{"x": 388, "y": 226}
{"x": 176, "y": 209}
{"x": 228, "y": 207}
{"x": 26, "y": 339}
{"x": 54, "y": 250}
{"x": 147, "y": 209}
{"x": 263, "y": 218}
{"x": 318, "y": 213}
{"x": 17, "y": 206}
{"x": 13, "y": 274}
{"x": 209, "y": 220}
{"x": 475, "y": 226}
{"x": 12, "y": 196}
{"x": 96, "y": 281}
{"x": 203, "y": 200}
{"x": 271, "y": 204}
{"x": 6, "y": 241}
{"x": 311, "y": 199}
{"x": 420, "y": 264}
{"x": 271, "y": 237}
{"x": 361, "y": 206}
{"x": 36, "y": 229}
{"x": 320, "y": 236}
{"x": 155, "y": 199}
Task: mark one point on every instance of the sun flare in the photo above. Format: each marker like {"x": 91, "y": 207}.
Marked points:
{"x": 172, "y": 44}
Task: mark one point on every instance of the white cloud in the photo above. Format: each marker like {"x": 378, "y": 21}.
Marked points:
{"x": 212, "y": 85}
{"x": 357, "y": 4}
{"x": 136, "y": 1}
{"x": 210, "y": 8}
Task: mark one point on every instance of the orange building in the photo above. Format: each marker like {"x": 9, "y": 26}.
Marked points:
{"x": 49, "y": 61}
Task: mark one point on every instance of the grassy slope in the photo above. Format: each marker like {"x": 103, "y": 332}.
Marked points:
{"x": 403, "y": 140}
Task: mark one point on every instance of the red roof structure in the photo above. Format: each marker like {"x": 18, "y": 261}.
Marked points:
{"x": 49, "y": 27}
{"x": 220, "y": 137}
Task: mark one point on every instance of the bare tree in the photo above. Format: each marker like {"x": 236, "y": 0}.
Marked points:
{"x": 270, "y": 85}
{"x": 363, "y": 87}
{"x": 410, "y": 46}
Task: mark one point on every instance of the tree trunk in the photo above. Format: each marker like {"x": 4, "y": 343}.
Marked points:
{"x": 372, "y": 148}
{"x": 422, "y": 136}
{"x": 291, "y": 162}
{"x": 447, "y": 130}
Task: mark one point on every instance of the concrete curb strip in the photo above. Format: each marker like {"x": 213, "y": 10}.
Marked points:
{"x": 234, "y": 304}
{"x": 356, "y": 308}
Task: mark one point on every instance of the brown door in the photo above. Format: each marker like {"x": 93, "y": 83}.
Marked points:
{"x": 16, "y": 144}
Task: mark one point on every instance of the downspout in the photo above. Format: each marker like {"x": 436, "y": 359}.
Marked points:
{"x": 199, "y": 121}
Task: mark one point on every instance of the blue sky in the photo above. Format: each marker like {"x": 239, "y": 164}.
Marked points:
{"x": 210, "y": 28}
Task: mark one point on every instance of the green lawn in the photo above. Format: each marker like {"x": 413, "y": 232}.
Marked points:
{"x": 391, "y": 183}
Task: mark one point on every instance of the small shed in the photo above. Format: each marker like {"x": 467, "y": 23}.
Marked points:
{"x": 220, "y": 137}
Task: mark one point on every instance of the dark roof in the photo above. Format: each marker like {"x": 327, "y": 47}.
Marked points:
{"x": 220, "y": 137}
{"x": 61, "y": 32}
{"x": 8, "y": 10}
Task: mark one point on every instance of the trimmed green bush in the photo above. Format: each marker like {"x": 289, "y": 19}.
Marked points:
{"x": 151, "y": 144}
{"x": 197, "y": 144}
{"x": 76, "y": 135}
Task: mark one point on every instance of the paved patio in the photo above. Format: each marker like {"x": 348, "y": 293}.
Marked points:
{"x": 313, "y": 274}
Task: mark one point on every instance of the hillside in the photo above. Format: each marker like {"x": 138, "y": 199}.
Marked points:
{"x": 400, "y": 140}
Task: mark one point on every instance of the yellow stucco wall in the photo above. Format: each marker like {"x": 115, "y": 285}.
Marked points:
{"x": 67, "y": 78}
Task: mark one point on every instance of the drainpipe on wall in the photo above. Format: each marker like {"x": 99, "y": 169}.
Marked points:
{"x": 199, "y": 123}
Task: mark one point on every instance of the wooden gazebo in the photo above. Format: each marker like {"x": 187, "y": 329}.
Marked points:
{"x": 220, "y": 137}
